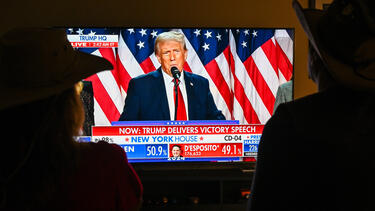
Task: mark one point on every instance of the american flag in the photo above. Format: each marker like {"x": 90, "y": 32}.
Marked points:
{"x": 244, "y": 67}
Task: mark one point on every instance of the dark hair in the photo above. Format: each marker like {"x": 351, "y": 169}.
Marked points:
{"x": 176, "y": 146}
{"x": 39, "y": 148}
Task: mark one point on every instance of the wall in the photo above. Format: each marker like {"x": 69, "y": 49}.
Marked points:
{"x": 148, "y": 13}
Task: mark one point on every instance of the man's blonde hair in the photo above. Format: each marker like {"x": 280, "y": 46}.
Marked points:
{"x": 170, "y": 35}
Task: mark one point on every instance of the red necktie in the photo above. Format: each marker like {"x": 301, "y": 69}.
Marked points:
{"x": 181, "y": 112}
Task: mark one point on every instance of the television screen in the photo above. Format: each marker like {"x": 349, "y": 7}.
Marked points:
{"x": 249, "y": 72}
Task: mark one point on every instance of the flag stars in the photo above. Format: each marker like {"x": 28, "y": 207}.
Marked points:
{"x": 206, "y": 46}
{"x": 141, "y": 44}
{"x": 255, "y": 33}
{"x": 143, "y": 32}
{"x": 197, "y": 32}
{"x": 246, "y": 32}
{"x": 92, "y": 33}
{"x": 154, "y": 33}
{"x": 70, "y": 30}
{"x": 244, "y": 44}
{"x": 80, "y": 31}
{"x": 131, "y": 31}
{"x": 208, "y": 34}
{"x": 218, "y": 37}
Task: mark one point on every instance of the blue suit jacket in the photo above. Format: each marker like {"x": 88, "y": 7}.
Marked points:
{"x": 146, "y": 98}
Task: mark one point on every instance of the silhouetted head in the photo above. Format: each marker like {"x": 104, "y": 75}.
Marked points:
{"x": 344, "y": 38}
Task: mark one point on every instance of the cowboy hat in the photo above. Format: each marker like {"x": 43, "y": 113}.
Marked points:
{"x": 36, "y": 63}
{"x": 344, "y": 38}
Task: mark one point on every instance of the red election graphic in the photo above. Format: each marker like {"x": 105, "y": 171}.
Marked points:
{"x": 212, "y": 150}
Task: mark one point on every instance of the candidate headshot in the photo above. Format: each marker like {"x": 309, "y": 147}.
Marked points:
{"x": 176, "y": 151}
{"x": 153, "y": 96}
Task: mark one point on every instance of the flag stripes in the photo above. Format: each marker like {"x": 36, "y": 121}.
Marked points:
{"x": 244, "y": 68}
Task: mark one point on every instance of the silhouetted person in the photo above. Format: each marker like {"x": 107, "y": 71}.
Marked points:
{"x": 42, "y": 167}
{"x": 317, "y": 152}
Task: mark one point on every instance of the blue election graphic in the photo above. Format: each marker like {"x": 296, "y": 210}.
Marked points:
{"x": 83, "y": 138}
{"x": 250, "y": 148}
{"x": 146, "y": 151}
{"x": 251, "y": 144}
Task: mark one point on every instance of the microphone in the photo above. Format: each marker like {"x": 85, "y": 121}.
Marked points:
{"x": 175, "y": 72}
{"x": 176, "y": 75}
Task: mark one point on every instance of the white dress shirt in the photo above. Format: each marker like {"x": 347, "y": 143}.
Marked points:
{"x": 169, "y": 89}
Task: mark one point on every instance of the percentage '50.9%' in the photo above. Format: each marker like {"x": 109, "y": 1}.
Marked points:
{"x": 155, "y": 151}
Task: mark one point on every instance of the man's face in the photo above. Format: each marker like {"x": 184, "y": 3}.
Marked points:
{"x": 171, "y": 54}
{"x": 176, "y": 152}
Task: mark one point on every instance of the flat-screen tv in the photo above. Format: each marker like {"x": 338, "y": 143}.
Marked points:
{"x": 249, "y": 71}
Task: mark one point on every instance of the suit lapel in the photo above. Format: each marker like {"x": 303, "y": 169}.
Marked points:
{"x": 190, "y": 94}
{"x": 163, "y": 100}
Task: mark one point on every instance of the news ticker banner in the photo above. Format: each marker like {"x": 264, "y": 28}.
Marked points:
{"x": 93, "y": 41}
{"x": 199, "y": 141}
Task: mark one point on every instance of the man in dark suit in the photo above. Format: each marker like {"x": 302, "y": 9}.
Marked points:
{"x": 151, "y": 96}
